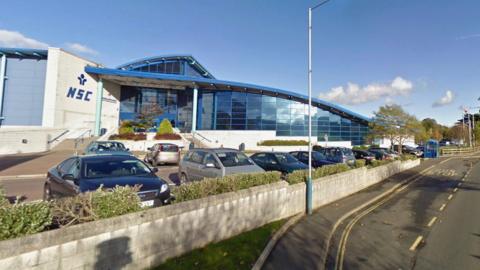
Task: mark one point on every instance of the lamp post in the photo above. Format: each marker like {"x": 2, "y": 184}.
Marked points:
{"x": 309, "y": 178}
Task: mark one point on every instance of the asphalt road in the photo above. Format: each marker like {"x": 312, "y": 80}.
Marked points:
{"x": 431, "y": 221}
{"x": 31, "y": 189}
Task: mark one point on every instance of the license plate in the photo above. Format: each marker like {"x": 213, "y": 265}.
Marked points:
{"x": 147, "y": 203}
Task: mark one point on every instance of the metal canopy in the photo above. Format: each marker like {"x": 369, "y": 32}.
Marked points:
{"x": 147, "y": 79}
{"x": 24, "y": 53}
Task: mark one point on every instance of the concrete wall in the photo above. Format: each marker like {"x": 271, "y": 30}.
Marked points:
{"x": 233, "y": 138}
{"x": 36, "y": 139}
{"x": 145, "y": 239}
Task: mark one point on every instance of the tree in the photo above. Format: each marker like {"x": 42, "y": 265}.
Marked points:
{"x": 148, "y": 114}
{"x": 393, "y": 123}
{"x": 165, "y": 127}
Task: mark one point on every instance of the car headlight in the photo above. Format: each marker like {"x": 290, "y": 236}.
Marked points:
{"x": 163, "y": 188}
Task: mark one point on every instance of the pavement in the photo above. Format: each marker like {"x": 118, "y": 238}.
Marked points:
{"x": 430, "y": 222}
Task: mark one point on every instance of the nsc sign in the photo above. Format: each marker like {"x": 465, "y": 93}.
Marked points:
{"x": 78, "y": 93}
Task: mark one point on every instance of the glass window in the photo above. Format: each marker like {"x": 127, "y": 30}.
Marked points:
{"x": 285, "y": 158}
{"x": 105, "y": 168}
{"x": 233, "y": 159}
{"x": 197, "y": 156}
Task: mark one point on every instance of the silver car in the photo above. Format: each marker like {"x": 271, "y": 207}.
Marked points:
{"x": 162, "y": 153}
{"x": 200, "y": 163}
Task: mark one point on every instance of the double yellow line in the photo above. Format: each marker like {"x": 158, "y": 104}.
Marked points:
{"x": 377, "y": 202}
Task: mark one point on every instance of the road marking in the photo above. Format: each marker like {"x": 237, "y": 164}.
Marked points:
{"x": 450, "y": 197}
{"x": 431, "y": 222}
{"x": 459, "y": 184}
{"x": 455, "y": 189}
{"x": 442, "y": 207}
{"x": 416, "y": 243}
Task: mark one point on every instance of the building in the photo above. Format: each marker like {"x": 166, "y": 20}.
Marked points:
{"x": 54, "y": 90}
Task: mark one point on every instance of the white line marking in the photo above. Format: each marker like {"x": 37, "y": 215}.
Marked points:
{"x": 416, "y": 243}
{"x": 455, "y": 189}
{"x": 442, "y": 207}
{"x": 432, "y": 221}
{"x": 459, "y": 184}
{"x": 450, "y": 197}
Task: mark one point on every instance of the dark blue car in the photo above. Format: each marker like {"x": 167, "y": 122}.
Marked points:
{"x": 278, "y": 161}
{"x": 87, "y": 173}
{"x": 318, "y": 159}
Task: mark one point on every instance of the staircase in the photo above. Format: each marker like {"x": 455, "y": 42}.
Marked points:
{"x": 77, "y": 144}
{"x": 199, "y": 140}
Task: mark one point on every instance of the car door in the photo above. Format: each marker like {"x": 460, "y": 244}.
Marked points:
{"x": 195, "y": 168}
{"x": 271, "y": 163}
{"x": 58, "y": 185}
{"x": 259, "y": 159}
{"x": 211, "y": 172}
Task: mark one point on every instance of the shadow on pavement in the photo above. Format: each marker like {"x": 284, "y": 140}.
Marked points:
{"x": 13, "y": 160}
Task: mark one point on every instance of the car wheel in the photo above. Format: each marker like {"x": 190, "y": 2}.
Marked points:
{"x": 47, "y": 193}
{"x": 183, "y": 178}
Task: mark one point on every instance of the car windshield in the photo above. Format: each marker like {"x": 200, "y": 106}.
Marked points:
{"x": 168, "y": 148}
{"x": 318, "y": 156}
{"x": 110, "y": 146}
{"x": 114, "y": 168}
{"x": 284, "y": 158}
{"x": 233, "y": 159}
{"x": 347, "y": 152}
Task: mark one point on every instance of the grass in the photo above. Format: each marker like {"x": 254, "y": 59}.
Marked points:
{"x": 238, "y": 252}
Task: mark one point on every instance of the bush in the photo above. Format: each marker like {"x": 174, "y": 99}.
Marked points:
{"x": 168, "y": 137}
{"x": 126, "y": 127}
{"x": 282, "y": 143}
{"x": 95, "y": 205}
{"x": 129, "y": 136}
{"x": 213, "y": 186}
{"x": 301, "y": 176}
{"x": 165, "y": 127}
{"x": 24, "y": 218}
{"x": 3, "y": 199}
{"x": 361, "y": 147}
{"x": 360, "y": 163}
{"x": 376, "y": 163}
{"x": 405, "y": 157}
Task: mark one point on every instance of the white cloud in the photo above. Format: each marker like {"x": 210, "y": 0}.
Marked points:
{"x": 18, "y": 40}
{"x": 445, "y": 100}
{"x": 468, "y": 36}
{"x": 354, "y": 94}
{"x": 79, "y": 48}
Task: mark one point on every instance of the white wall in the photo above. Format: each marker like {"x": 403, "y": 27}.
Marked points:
{"x": 27, "y": 140}
{"x": 385, "y": 142}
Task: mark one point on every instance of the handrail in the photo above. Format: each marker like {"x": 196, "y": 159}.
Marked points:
{"x": 56, "y": 138}
{"x": 80, "y": 138}
{"x": 203, "y": 137}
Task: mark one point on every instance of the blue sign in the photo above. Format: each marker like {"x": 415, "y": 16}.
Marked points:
{"x": 79, "y": 94}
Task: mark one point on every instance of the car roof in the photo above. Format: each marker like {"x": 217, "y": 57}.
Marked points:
{"x": 106, "y": 156}
{"x": 215, "y": 150}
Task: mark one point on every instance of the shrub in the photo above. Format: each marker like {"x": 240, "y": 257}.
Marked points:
{"x": 126, "y": 127}
{"x": 95, "y": 205}
{"x": 301, "y": 176}
{"x": 168, "y": 137}
{"x": 3, "y": 199}
{"x": 24, "y": 218}
{"x": 282, "y": 143}
{"x": 360, "y": 163}
{"x": 404, "y": 157}
{"x": 213, "y": 186}
{"x": 361, "y": 147}
{"x": 129, "y": 136}
{"x": 376, "y": 163}
{"x": 165, "y": 127}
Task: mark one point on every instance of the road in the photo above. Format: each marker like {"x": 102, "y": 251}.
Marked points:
{"x": 30, "y": 189}
{"x": 424, "y": 218}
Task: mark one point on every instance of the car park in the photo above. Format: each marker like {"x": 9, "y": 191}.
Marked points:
{"x": 202, "y": 163}
{"x": 318, "y": 159}
{"x": 337, "y": 154}
{"x": 81, "y": 174}
{"x": 106, "y": 147}
{"x": 163, "y": 153}
{"x": 278, "y": 161}
{"x": 409, "y": 150}
{"x": 382, "y": 153}
{"x": 365, "y": 155}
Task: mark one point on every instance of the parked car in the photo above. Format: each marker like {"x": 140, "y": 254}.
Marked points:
{"x": 409, "y": 150}
{"x": 278, "y": 161}
{"x": 364, "y": 154}
{"x": 381, "y": 153}
{"x": 318, "y": 159}
{"x": 337, "y": 154}
{"x": 106, "y": 147}
{"x": 199, "y": 163}
{"x": 87, "y": 173}
{"x": 162, "y": 153}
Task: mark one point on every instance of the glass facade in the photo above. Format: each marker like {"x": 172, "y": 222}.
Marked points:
{"x": 231, "y": 110}
{"x": 179, "y": 67}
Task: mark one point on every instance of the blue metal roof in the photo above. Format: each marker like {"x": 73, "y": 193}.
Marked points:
{"x": 190, "y": 60}
{"x": 213, "y": 82}
{"x": 25, "y": 53}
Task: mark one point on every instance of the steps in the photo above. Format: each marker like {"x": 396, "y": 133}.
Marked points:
{"x": 73, "y": 144}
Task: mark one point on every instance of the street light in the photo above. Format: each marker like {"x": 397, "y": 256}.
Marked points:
{"x": 309, "y": 179}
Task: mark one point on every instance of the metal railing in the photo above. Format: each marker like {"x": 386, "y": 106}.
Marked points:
{"x": 458, "y": 151}
{"x": 201, "y": 136}
{"x": 80, "y": 139}
{"x": 58, "y": 137}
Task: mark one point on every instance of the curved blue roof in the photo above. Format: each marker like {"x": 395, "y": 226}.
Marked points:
{"x": 225, "y": 85}
{"x": 149, "y": 60}
{"x": 25, "y": 53}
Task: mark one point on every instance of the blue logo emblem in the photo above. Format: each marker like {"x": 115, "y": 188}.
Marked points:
{"x": 82, "y": 79}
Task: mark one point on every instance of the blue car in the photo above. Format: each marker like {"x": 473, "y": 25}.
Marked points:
{"x": 80, "y": 174}
{"x": 107, "y": 147}
{"x": 278, "y": 161}
{"x": 318, "y": 159}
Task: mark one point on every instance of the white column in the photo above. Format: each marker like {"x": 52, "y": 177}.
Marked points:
{"x": 194, "y": 112}
{"x": 3, "y": 65}
{"x": 98, "y": 110}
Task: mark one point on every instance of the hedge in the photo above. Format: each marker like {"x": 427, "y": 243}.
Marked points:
{"x": 24, "y": 218}
{"x": 360, "y": 163}
{"x": 376, "y": 163}
{"x": 301, "y": 175}
{"x": 213, "y": 186}
{"x": 282, "y": 143}
{"x": 129, "y": 136}
{"x": 165, "y": 127}
{"x": 405, "y": 157}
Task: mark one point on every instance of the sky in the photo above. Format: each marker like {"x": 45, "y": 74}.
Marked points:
{"x": 423, "y": 55}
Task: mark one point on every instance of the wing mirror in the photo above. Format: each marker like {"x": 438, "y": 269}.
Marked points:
{"x": 210, "y": 165}
{"x": 154, "y": 169}
{"x": 149, "y": 148}
{"x": 70, "y": 178}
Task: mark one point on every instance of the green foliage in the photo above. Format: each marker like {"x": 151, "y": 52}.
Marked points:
{"x": 300, "y": 176}
{"x": 360, "y": 163}
{"x": 3, "y": 199}
{"x": 126, "y": 127}
{"x": 129, "y": 136}
{"x": 376, "y": 163}
{"x": 95, "y": 205}
{"x": 24, "y": 218}
{"x": 229, "y": 183}
{"x": 360, "y": 147}
{"x": 282, "y": 143}
{"x": 237, "y": 253}
{"x": 405, "y": 157}
{"x": 165, "y": 127}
